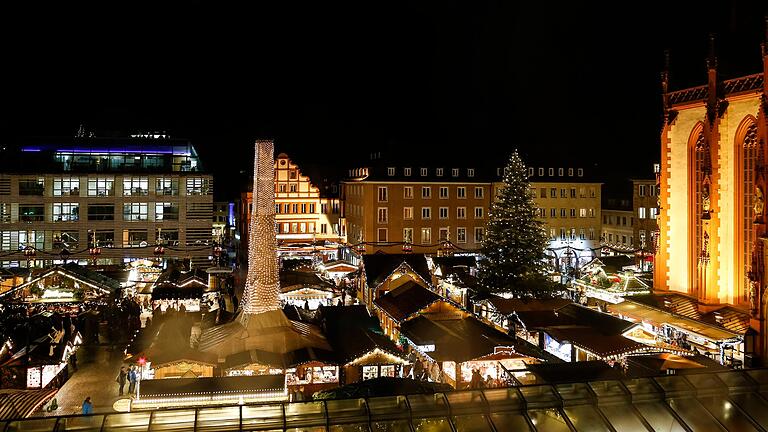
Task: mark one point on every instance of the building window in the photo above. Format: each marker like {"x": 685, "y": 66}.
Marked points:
{"x": 591, "y": 233}
{"x": 541, "y": 172}
{"x": 426, "y": 212}
{"x": 573, "y": 192}
{"x": 101, "y": 186}
{"x": 530, "y": 172}
{"x": 553, "y": 192}
{"x": 651, "y": 190}
{"x": 591, "y": 212}
{"x": 641, "y": 190}
{"x": 443, "y": 213}
{"x": 390, "y": 171}
{"x": 580, "y": 172}
{"x": 408, "y": 213}
{"x": 582, "y": 236}
{"x": 461, "y": 212}
{"x": 560, "y": 172}
{"x": 101, "y": 212}
{"x": 382, "y": 234}
{"x": 31, "y": 213}
{"x": 407, "y": 172}
{"x": 423, "y": 172}
{"x": 312, "y": 208}
{"x": 570, "y": 172}
{"x": 66, "y": 186}
{"x": 553, "y": 212}
{"x": 324, "y": 228}
{"x": 383, "y": 215}
{"x": 167, "y": 186}
{"x": 461, "y": 192}
{"x": 542, "y": 192}
{"x": 426, "y": 192}
{"x": 573, "y": 212}
{"x": 32, "y": 186}
{"x": 170, "y": 211}
{"x": 654, "y": 212}
{"x": 455, "y": 172}
{"x": 293, "y": 187}
{"x": 591, "y": 192}
{"x": 135, "y": 212}
{"x": 408, "y": 235}
{"x": 426, "y": 235}
{"x": 5, "y": 213}
{"x": 461, "y": 235}
{"x": 443, "y": 192}
{"x": 552, "y": 234}
{"x": 65, "y": 240}
{"x": 478, "y": 212}
{"x": 563, "y": 193}
{"x": 541, "y": 212}
{"x": 439, "y": 172}
{"x": 303, "y": 208}
{"x": 168, "y": 237}
{"x": 641, "y": 212}
{"x": 444, "y": 234}
{"x": 135, "y": 186}
{"x": 335, "y": 207}
{"x": 479, "y": 192}
{"x": 583, "y": 212}
{"x": 470, "y": 172}
{"x": 551, "y": 172}
{"x": 281, "y": 188}
{"x": 199, "y": 186}
{"x": 479, "y": 234}
{"x": 66, "y": 212}
{"x": 35, "y": 239}
{"x": 324, "y": 208}
{"x": 582, "y": 192}
{"x": 135, "y": 238}
{"x": 408, "y": 192}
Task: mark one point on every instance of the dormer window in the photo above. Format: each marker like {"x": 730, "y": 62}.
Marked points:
{"x": 407, "y": 172}
{"x": 570, "y": 172}
{"x": 560, "y": 172}
{"x": 580, "y": 172}
{"x": 541, "y": 172}
{"x": 551, "y": 172}
{"x": 439, "y": 172}
{"x": 455, "y": 172}
{"x": 530, "y": 172}
{"x": 498, "y": 171}
{"x": 423, "y": 172}
{"x": 470, "y": 172}
{"x": 391, "y": 171}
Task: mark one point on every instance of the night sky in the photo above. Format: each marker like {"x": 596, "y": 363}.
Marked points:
{"x": 333, "y": 81}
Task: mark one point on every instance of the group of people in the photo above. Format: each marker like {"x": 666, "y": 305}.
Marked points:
{"x": 478, "y": 382}
{"x": 129, "y": 375}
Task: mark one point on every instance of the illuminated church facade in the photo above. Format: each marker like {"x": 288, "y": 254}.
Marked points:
{"x": 713, "y": 179}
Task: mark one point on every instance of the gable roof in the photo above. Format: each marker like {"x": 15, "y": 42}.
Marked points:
{"x": 352, "y": 332}
{"x": 379, "y": 266}
{"x": 77, "y": 272}
{"x": 291, "y": 280}
{"x": 457, "y": 340}
{"x": 406, "y": 300}
{"x": 506, "y": 306}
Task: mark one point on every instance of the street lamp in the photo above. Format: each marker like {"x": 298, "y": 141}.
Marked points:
{"x": 142, "y": 361}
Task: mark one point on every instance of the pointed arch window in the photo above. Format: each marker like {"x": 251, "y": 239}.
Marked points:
{"x": 699, "y": 174}
{"x": 748, "y": 165}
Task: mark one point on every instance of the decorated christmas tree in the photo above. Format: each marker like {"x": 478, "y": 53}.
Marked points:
{"x": 514, "y": 248}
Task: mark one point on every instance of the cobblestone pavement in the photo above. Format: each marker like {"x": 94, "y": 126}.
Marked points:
{"x": 95, "y": 377}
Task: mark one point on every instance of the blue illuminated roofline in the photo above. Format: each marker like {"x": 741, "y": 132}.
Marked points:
{"x": 142, "y": 150}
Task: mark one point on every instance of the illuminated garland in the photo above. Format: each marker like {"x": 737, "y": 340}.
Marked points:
{"x": 262, "y": 285}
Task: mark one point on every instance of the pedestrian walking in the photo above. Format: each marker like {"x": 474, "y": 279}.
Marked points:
{"x": 87, "y": 406}
{"x": 120, "y": 379}
{"x": 132, "y": 380}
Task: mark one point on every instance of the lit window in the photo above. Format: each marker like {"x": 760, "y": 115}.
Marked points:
{"x": 135, "y": 186}
{"x": 583, "y": 212}
{"x": 102, "y": 186}
{"x": 135, "y": 211}
{"x": 408, "y": 235}
{"x": 461, "y": 235}
{"x": 66, "y": 212}
{"x": 170, "y": 211}
{"x": 199, "y": 186}
{"x": 66, "y": 186}
{"x": 641, "y": 212}
{"x": 426, "y": 235}
{"x": 654, "y": 212}
{"x": 167, "y": 186}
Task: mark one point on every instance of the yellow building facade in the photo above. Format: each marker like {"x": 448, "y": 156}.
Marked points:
{"x": 712, "y": 186}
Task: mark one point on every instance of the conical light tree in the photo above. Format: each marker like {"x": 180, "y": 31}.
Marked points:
{"x": 515, "y": 243}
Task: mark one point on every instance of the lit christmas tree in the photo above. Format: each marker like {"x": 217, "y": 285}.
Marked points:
{"x": 515, "y": 243}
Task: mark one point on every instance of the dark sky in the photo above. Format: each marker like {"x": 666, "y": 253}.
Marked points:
{"x": 332, "y": 81}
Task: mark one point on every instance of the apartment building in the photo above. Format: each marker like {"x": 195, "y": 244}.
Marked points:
{"x": 59, "y": 198}
{"x": 304, "y": 212}
{"x": 645, "y": 204}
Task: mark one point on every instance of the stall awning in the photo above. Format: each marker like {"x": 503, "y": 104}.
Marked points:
{"x": 658, "y": 318}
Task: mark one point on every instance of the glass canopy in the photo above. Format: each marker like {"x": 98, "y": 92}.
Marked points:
{"x": 714, "y": 401}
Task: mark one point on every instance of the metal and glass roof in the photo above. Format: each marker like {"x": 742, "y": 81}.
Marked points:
{"x": 730, "y": 400}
